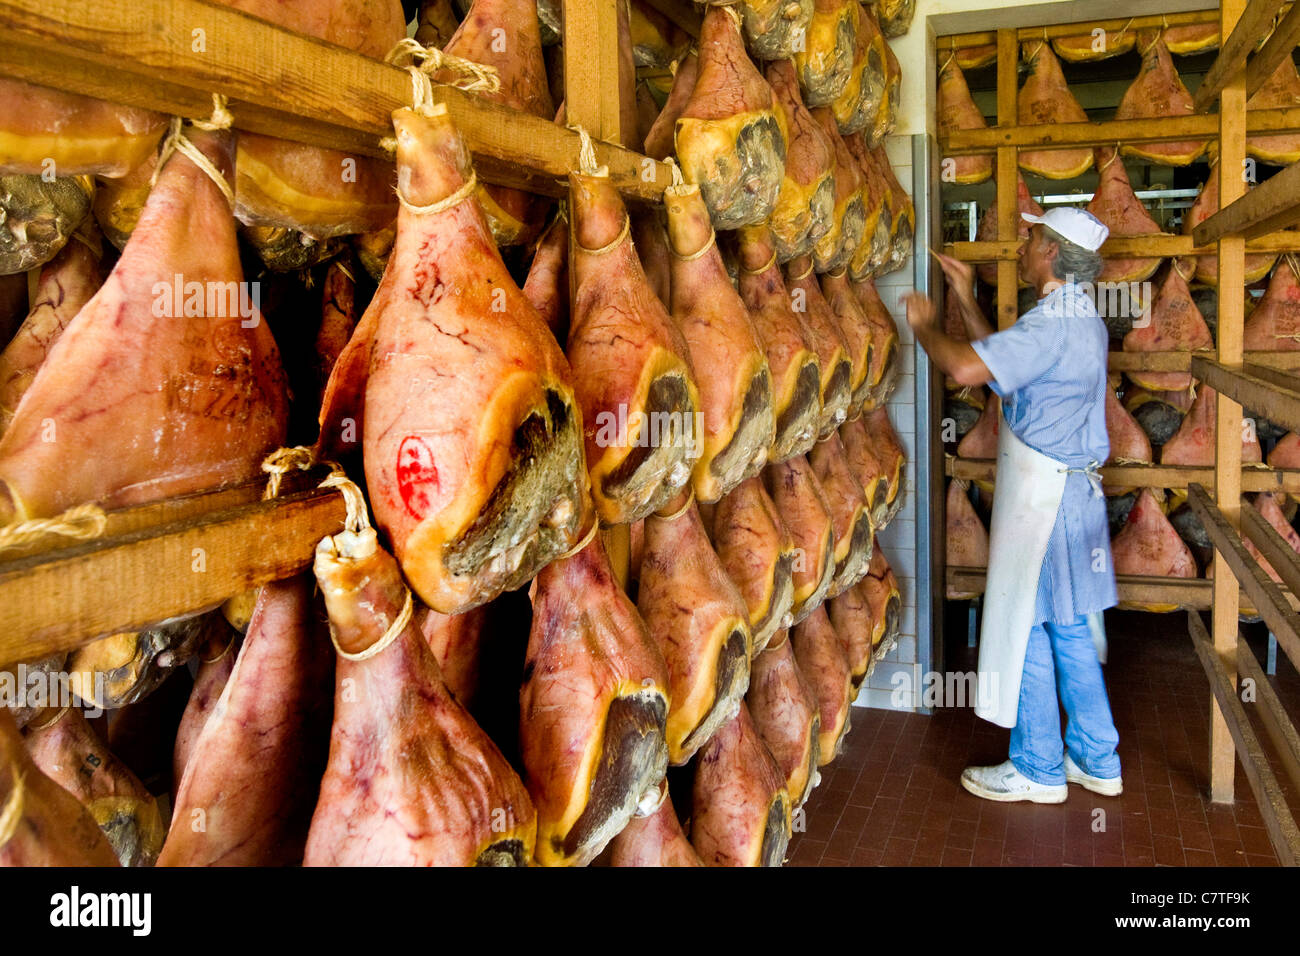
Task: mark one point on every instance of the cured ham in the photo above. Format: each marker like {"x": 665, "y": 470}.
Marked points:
{"x": 659, "y": 140}
{"x": 802, "y": 504}
{"x": 895, "y": 15}
{"x": 39, "y": 217}
{"x": 1205, "y": 206}
{"x": 65, "y": 746}
{"x": 729, "y": 139}
{"x": 857, "y": 333}
{"x": 741, "y": 813}
{"x": 1266, "y": 503}
{"x": 784, "y": 708}
{"x": 872, "y": 253}
{"x": 1274, "y": 326}
{"x": 436, "y": 23}
{"x": 850, "y": 514}
{"x": 736, "y": 392}
{"x": 957, "y": 111}
{"x": 1280, "y": 91}
{"x": 757, "y": 552}
{"x": 1128, "y": 442}
{"x": 292, "y": 186}
{"x": 1158, "y": 92}
{"x": 700, "y": 621}
{"x": 988, "y": 227}
{"x": 456, "y": 640}
{"x": 1286, "y": 453}
{"x": 961, "y": 410}
{"x": 1159, "y": 414}
{"x": 887, "y": 115}
{"x": 902, "y": 213}
{"x": 805, "y": 205}
{"x": 632, "y": 376}
{"x": 820, "y": 658}
{"x": 338, "y": 320}
{"x": 1087, "y": 47}
{"x": 1045, "y": 99}
{"x": 858, "y": 104}
{"x": 505, "y": 35}
{"x": 411, "y": 779}
{"x": 470, "y": 425}
{"x": 1192, "y": 38}
{"x": 216, "y": 662}
{"x": 866, "y": 467}
{"x": 824, "y": 336}
{"x": 889, "y": 455}
{"x": 886, "y": 366}
{"x": 833, "y": 251}
{"x": 826, "y": 60}
{"x": 148, "y": 406}
{"x": 795, "y": 367}
{"x": 125, "y": 668}
{"x": 1149, "y": 545}
{"x": 773, "y": 27}
{"x": 250, "y": 784}
{"x": 977, "y": 57}
{"x": 1116, "y": 205}
{"x": 650, "y": 238}
{"x": 1194, "y": 442}
{"x": 41, "y": 824}
{"x": 1172, "y": 323}
{"x": 66, "y": 283}
{"x": 592, "y": 710}
{"x": 885, "y": 602}
{"x": 654, "y": 840}
{"x": 850, "y": 616}
{"x": 981, "y": 442}
{"x": 967, "y": 538}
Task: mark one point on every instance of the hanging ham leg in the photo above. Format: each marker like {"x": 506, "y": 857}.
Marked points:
{"x": 1045, "y": 99}
{"x": 757, "y": 554}
{"x": 632, "y": 379}
{"x": 1192, "y": 38}
{"x": 1156, "y": 93}
{"x": 850, "y": 614}
{"x": 885, "y": 601}
{"x": 736, "y": 384}
{"x": 826, "y": 59}
{"x": 505, "y": 35}
{"x": 957, "y": 111}
{"x": 865, "y": 466}
{"x": 857, "y": 333}
{"x": 824, "y": 336}
{"x": 66, "y": 747}
{"x": 821, "y": 660}
{"x": 701, "y": 623}
{"x": 66, "y": 284}
{"x": 547, "y": 285}
{"x": 455, "y": 640}
{"x": 805, "y": 206}
{"x": 850, "y": 514}
{"x": 216, "y": 662}
{"x": 1128, "y": 442}
{"x": 728, "y": 137}
{"x": 795, "y": 367}
{"x": 659, "y": 140}
{"x": 1087, "y": 47}
{"x": 592, "y": 710}
{"x": 1149, "y": 545}
{"x": 1274, "y": 325}
{"x": 41, "y": 824}
{"x": 1280, "y": 91}
{"x": 1194, "y": 442}
{"x": 741, "y": 814}
{"x": 967, "y": 538}
{"x": 784, "y": 708}
{"x": 1115, "y": 204}
{"x": 773, "y": 28}
{"x": 471, "y": 431}
{"x": 1172, "y": 323}
{"x": 872, "y": 253}
{"x": 988, "y": 227}
{"x": 835, "y": 250}
{"x": 411, "y": 779}
{"x": 888, "y": 452}
{"x": 149, "y": 400}
{"x": 806, "y": 513}
{"x": 654, "y": 840}
{"x": 1206, "y": 205}
{"x": 887, "y": 115}
{"x": 338, "y": 320}
{"x": 886, "y": 367}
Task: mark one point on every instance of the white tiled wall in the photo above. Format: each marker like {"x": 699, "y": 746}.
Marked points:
{"x": 884, "y": 688}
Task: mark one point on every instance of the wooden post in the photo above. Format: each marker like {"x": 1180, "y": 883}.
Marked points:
{"x": 591, "y": 79}
{"x": 1227, "y": 459}
{"x": 1008, "y": 194}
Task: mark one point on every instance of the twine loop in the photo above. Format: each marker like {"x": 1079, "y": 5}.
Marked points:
{"x": 805, "y": 274}
{"x": 690, "y": 500}
{"x": 12, "y": 813}
{"x": 284, "y": 460}
{"x": 465, "y": 191}
{"x": 82, "y": 522}
{"x": 582, "y": 544}
{"x": 58, "y": 715}
{"x": 588, "y": 165}
{"x": 421, "y": 62}
{"x": 394, "y": 629}
{"x": 177, "y": 142}
{"x": 771, "y": 261}
{"x": 613, "y": 244}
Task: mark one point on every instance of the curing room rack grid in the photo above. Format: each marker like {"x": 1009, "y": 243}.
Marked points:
{"x": 1264, "y": 381}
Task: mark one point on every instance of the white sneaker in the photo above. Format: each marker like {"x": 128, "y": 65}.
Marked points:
{"x": 1106, "y": 786}
{"x": 1006, "y": 784}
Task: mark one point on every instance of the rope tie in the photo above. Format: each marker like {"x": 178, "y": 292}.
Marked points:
{"x": 1124, "y": 29}
{"x": 51, "y": 722}
{"x": 1113, "y": 156}
{"x": 284, "y": 460}
{"x": 1159, "y": 34}
{"x": 734, "y": 15}
{"x": 465, "y": 191}
{"x": 581, "y": 545}
{"x": 1091, "y": 472}
{"x": 805, "y": 274}
{"x": 338, "y": 264}
{"x": 690, "y": 500}
{"x": 609, "y": 246}
{"x": 678, "y": 178}
{"x": 1121, "y": 460}
{"x": 421, "y": 62}
{"x": 1174, "y": 264}
{"x": 177, "y": 142}
{"x": 394, "y": 629}
{"x": 12, "y": 813}
{"x": 763, "y": 268}
{"x": 82, "y": 523}
{"x": 952, "y": 55}
{"x": 588, "y": 165}
{"x": 212, "y": 660}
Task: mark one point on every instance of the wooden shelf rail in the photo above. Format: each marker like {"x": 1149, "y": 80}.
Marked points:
{"x": 1272, "y": 714}
{"x": 1252, "y": 388}
{"x": 1254, "y": 23}
{"x": 279, "y": 83}
{"x": 1272, "y": 205}
{"x": 1150, "y": 476}
{"x": 1164, "y": 246}
{"x": 1279, "y": 822}
{"x": 1081, "y": 28}
{"x": 207, "y": 549}
{"x": 1276, "y": 48}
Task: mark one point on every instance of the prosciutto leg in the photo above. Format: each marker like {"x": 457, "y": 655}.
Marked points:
{"x": 850, "y": 615}
{"x": 885, "y": 602}
{"x": 820, "y": 658}
{"x": 784, "y": 708}
{"x": 216, "y": 662}
{"x": 455, "y": 640}
{"x": 801, "y": 503}
{"x": 411, "y": 778}
{"x": 654, "y": 840}
{"x": 850, "y": 513}
{"x": 253, "y": 775}
{"x": 592, "y": 710}
{"x": 824, "y": 336}
{"x": 805, "y": 204}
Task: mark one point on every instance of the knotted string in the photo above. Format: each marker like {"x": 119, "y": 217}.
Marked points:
{"x": 177, "y": 142}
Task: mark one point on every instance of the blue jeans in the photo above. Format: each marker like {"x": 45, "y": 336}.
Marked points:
{"x": 1064, "y": 658}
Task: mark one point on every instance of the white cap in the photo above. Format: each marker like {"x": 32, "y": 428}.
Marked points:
{"x": 1078, "y": 225}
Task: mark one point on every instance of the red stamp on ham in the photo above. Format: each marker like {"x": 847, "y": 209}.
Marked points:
{"x": 417, "y": 476}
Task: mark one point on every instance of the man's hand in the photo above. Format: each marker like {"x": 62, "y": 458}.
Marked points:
{"x": 921, "y": 312}
{"x": 960, "y": 275}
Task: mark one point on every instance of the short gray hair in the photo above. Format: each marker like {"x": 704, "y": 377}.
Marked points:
{"x": 1073, "y": 263}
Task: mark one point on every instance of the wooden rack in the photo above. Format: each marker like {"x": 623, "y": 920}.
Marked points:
{"x": 1257, "y": 221}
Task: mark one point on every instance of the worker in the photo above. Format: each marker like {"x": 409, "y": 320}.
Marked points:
{"x": 1050, "y": 574}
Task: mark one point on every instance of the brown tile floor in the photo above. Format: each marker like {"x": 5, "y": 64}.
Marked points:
{"x": 892, "y": 797}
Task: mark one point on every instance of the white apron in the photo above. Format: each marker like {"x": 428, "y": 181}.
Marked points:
{"x": 1026, "y": 498}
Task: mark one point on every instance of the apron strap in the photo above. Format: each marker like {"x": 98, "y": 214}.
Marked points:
{"x": 1092, "y": 472}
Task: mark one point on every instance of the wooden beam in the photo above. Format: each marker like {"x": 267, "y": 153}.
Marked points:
{"x": 1276, "y": 48}
{"x": 1283, "y": 560}
{"x": 1164, "y": 246}
{"x": 1120, "y": 361}
{"x": 1253, "y": 479}
{"x": 1008, "y": 217}
{"x": 1278, "y": 820}
{"x": 1109, "y": 132}
{"x": 1272, "y": 714}
{"x": 1274, "y": 402}
{"x": 1272, "y": 205}
{"x": 1267, "y": 597}
{"x": 279, "y": 83}
{"x": 61, "y": 599}
{"x": 1081, "y": 27}
{"x": 1254, "y": 23}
